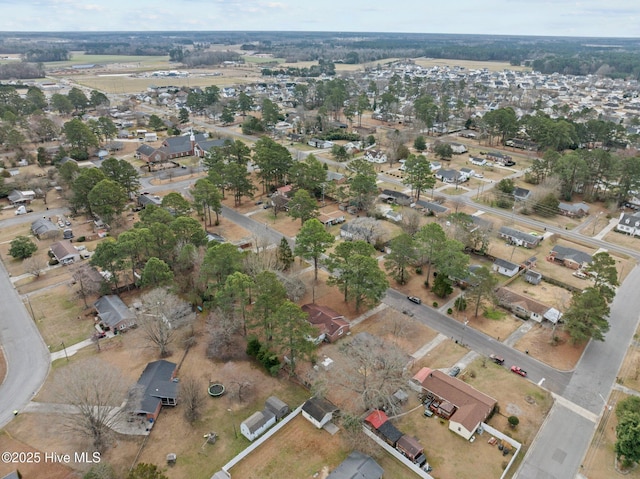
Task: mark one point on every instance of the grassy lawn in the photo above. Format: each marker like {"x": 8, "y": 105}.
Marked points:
{"x": 57, "y": 317}
{"x": 80, "y": 58}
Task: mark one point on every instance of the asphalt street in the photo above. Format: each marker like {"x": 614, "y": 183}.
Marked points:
{"x": 26, "y": 354}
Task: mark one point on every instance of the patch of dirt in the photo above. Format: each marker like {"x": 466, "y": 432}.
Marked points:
{"x": 513, "y": 409}
{"x": 562, "y": 355}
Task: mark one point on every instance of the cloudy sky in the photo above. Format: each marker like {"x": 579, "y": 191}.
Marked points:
{"x": 593, "y": 18}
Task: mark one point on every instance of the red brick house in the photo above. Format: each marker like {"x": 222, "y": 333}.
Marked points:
{"x": 330, "y": 324}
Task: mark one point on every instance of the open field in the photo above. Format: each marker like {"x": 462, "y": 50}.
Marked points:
{"x": 121, "y": 61}
{"x": 492, "y": 66}
{"x": 561, "y": 354}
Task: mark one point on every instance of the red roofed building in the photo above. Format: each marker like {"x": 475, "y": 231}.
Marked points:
{"x": 465, "y": 406}
{"x": 376, "y": 419}
{"x": 330, "y": 324}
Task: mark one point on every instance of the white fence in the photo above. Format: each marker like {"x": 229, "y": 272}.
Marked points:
{"x": 256, "y": 443}
{"x": 504, "y": 437}
{"x": 397, "y": 454}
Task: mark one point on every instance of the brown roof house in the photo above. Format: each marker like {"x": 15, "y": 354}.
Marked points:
{"x": 467, "y": 407}
{"x": 65, "y": 252}
{"x": 330, "y": 324}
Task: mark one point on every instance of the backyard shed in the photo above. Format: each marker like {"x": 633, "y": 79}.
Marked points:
{"x": 278, "y": 407}
{"x": 256, "y": 424}
{"x": 318, "y": 411}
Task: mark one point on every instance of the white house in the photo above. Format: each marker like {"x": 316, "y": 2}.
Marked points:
{"x": 256, "y": 424}
{"x": 318, "y": 411}
{"x": 477, "y": 161}
{"x": 449, "y": 176}
{"x": 375, "y": 156}
{"x": 466, "y": 173}
{"x": 506, "y": 268}
{"x": 629, "y": 224}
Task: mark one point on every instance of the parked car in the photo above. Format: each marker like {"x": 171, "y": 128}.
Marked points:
{"x": 519, "y": 370}
{"x": 427, "y": 412}
{"x": 478, "y": 175}
{"x": 454, "y": 371}
{"x": 414, "y": 299}
{"x": 496, "y": 359}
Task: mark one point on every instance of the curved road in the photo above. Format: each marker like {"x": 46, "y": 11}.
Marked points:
{"x": 27, "y": 357}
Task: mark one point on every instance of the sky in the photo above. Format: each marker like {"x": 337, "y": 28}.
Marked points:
{"x": 591, "y": 18}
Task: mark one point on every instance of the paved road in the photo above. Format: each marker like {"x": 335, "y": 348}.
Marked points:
{"x": 552, "y": 379}
{"x": 26, "y": 354}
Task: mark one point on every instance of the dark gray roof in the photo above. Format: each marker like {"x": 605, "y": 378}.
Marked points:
{"x": 145, "y": 150}
{"x": 398, "y": 195}
{"x": 432, "y": 206}
{"x": 357, "y": 466}
{"x": 521, "y": 235}
{"x": 144, "y": 200}
{"x": 156, "y": 383}
{"x": 206, "y": 145}
{"x": 389, "y": 432}
{"x": 112, "y": 310}
{"x": 503, "y": 263}
{"x": 573, "y": 207}
{"x": 275, "y": 404}
{"x": 481, "y": 222}
{"x": 41, "y": 226}
{"x": 449, "y": 174}
{"x": 521, "y": 192}
{"x": 317, "y": 408}
{"x": 562, "y": 253}
{"x": 533, "y": 274}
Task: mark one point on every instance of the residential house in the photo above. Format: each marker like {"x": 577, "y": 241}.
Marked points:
{"x": 333, "y": 218}
{"x": 392, "y": 196}
{"x": 317, "y": 143}
{"x": 533, "y": 277}
{"x": 521, "y": 194}
{"x": 65, "y": 252}
{"x": 178, "y": 147}
{"x": 526, "y": 307}
{"x": 44, "y": 229}
{"x": 573, "y": 210}
{"x": 430, "y": 208}
{"x": 318, "y": 411}
{"x": 519, "y": 238}
{"x": 449, "y": 176}
{"x": 17, "y": 197}
{"x": 355, "y": 230}
{"x": 375, "y": 156}
{"x": 480, "y": 222}
{"x": 466, "y": 407}
{"x": 457, "y": 148}
{"x": 158, "y": 388}
{"x": 330, "y": 324}
{"x": 569, "y": 257}
{"x": 477, "y": 161}
{"x": 470, "y": 280}
{"x": 257, "y": 424}
{"x": 506, "y": 268}
{"x": 498, "y": 157}
{"x": 357, "y": 466}
{"x": 114, "y": 314}
{"x": 277, "y": 406}
{"x": 435, "y": 165}
{"x": 629, "y": 224}
{"x": 145, "y": 200}
{"x": 466, "y": 173}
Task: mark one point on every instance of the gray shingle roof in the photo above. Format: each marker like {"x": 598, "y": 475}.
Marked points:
{"x": 357, "y": 466}
{"x": 156, "y": 383}
{"x": 565, "y": 253}
{"x": 112, "y": 310}
{"x": 521, "y": 235}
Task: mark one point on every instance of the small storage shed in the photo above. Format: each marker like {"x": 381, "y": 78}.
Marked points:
{"x": 256, "y": 424}
{"x": 278, "y": 407}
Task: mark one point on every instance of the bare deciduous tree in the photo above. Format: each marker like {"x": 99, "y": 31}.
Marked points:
{"x": 294, "y": 286}
{"x": 87, "y": 281}
{"x": 223, "y": 329}
{"x": 410, "y": 222}
{"x": 244, "y": 387}
{"x": 95, "y": 390}
{"x": 374, "y": 370}
{"x": 35, "y": 265}
{"x": 162, "y": 315}
{"x": 192, "y": 398}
